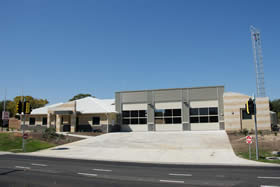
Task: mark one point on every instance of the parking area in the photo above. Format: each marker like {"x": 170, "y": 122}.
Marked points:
{"x": 188, "y": 147}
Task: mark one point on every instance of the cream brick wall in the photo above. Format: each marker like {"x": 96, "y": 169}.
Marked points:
{"x": 38, "y": 119}
{"x": 86, "y": 119}
{"x": 234, "y": 102}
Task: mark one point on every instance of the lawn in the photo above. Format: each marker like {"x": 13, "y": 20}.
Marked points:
{"x": 13, "y": 143}
{"x": 268, "y": 142}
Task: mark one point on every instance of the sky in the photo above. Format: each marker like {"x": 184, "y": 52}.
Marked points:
{"x": 56, "y": 49}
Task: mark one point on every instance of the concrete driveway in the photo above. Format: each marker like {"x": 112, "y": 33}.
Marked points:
{"x": 191, "y": 147}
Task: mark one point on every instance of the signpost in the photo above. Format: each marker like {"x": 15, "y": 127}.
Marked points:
{"x": 5, "y": 115}
{"x": 249, "y": 141}
{"x": 25, "y": 136}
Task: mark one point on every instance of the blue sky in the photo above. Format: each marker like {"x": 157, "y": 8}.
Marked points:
{"x": 56, "y": 49}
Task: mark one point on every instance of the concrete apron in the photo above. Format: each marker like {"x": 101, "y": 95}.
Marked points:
{"x": 188, "y": 147}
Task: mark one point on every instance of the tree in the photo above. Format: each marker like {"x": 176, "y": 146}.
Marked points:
{"x": 80, "y": 96}
{"x": 275, "y": 106}
{"x": 35, "y": 103}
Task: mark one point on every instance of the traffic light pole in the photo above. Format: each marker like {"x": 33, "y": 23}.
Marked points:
{"x": 23, "y": 126}
{"x": 256, "y": 130}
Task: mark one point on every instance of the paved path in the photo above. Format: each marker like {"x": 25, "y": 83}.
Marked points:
{"x": 74, "y": 135}
{"x": 193, "y": 147}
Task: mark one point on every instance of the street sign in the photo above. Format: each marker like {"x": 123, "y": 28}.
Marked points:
{"x": 5, "y": 115}
{"x": 25, "y": 136}
{"x": 249, "y": 139}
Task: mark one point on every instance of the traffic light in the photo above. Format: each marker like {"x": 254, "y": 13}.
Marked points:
{"x": 19, "y": 107}
{"x": 250, "y": 107}
{"x": 27, "y": 107}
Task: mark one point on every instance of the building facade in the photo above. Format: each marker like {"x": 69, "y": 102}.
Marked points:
{"x": 180, "y": 109}
{"x": 84, "y": 115}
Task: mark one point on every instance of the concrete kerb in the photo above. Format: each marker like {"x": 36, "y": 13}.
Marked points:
{"x": 178, "y": 164}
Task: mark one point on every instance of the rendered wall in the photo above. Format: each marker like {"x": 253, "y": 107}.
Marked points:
{"x": 170, "y": 98}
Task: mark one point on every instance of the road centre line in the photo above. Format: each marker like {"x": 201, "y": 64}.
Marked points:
{"x": 22, "y": 167}
{"x": 268, "y": 177}
{"x": 105, "y": 170}
{"x": 88, "y": 174}
{"x": 220, "y": 176}
{"x": 180, "y": 174}
{"x": 43, "y": 165}
{"x": 172, "y": 181}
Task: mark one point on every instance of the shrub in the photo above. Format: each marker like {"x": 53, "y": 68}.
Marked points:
{"x": 260, "y": 132}
{"x": 50, "y": 133}
{"x": 245, "y": 131}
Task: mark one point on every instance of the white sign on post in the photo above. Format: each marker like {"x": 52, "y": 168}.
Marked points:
{"x": 249, "y": 140}
{"x": 5, "y": 115}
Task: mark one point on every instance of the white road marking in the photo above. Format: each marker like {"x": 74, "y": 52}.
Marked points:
{"x": 171, "y": 181}
{"x": 43, "y": 165}
{"x": 180, "y": 174}
{"x": 88, "y": 174}
{"x": 22, "y": 167}
{"x": 105, "y": 170}
{"x": 269, "y": 177}
{"x": 220, "y": 176}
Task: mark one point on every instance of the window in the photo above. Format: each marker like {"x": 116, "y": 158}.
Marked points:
{"x": 213, "y": 111}
{"x": 159, "y": 112}
{"x": 125, "y": 114}
{"x": 134, "y": 117}
{"x": 96, "y": 121}
{"x": 168, "y": 116}
{"x": 32, "y": 121}
{"x": 45, "y": 121}
{"x": 193, "y": 111}
{"x": 245, "y": 115}
{"x": 204, "y": 115}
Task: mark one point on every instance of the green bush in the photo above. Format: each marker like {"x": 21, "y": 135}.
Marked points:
{"x": 245, "y": 131}
{"x": 50, "y": 133}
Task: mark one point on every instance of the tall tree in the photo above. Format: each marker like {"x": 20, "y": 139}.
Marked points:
{"x": 35, "y": 103}
{"x": 80, "y": 96}
{"x": 275, "y": 106}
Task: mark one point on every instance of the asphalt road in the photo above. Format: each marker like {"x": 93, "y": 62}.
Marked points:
{"x": 28, "y": 171}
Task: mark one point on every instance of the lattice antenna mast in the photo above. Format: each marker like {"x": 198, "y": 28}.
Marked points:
{"x": 258, "y": 60}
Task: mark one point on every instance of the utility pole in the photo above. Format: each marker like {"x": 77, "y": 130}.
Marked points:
{"x": 23, "y": 126}
{"x": 4, "y": 107}
{"x": 256, "y": 129}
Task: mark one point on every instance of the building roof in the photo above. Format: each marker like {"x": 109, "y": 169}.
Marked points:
{"x": 44, "y": 110}
{"x": 90, "y": 105}
{"x": 87, "y": 105}
{"x": 164, "y": 89}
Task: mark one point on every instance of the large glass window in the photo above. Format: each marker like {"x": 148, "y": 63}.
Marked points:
{"x": 204, "y": 115}
{"x": 168, "y": 116}
{"x": 96, "y": 120}
{"x": 32, "y": 121}
{"x": 45, "y": 121}
{"x": 134, "y": 117}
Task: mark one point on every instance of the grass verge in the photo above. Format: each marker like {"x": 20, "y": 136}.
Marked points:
{"x": 268, "y": 142}
{"x": 10, "y": 142}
